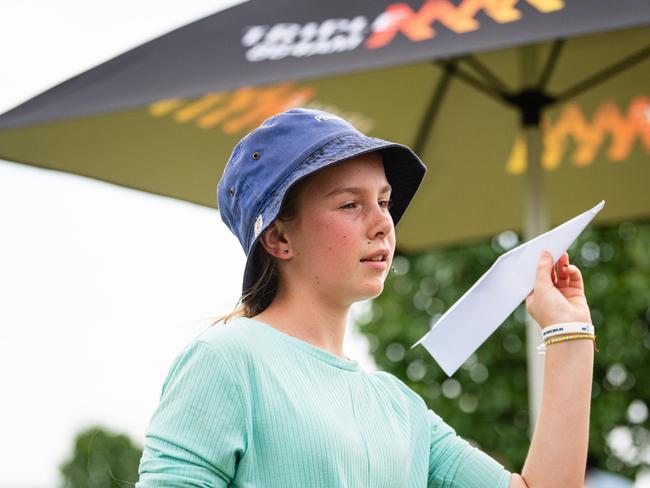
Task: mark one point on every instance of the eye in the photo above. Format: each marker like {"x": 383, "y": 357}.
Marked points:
{"x": 389, "y": 203}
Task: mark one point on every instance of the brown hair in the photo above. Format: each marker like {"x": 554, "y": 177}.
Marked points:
{"x": 263, "y": 291}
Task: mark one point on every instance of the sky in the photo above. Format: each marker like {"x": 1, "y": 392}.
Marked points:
{"x": 100, "y": 285}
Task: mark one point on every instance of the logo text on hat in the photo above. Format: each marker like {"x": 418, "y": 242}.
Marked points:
{"x": 320, "y": 118}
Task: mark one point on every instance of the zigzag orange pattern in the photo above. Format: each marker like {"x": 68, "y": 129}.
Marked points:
{"x": 244, "y": 109}
{"x": 417, "y": 26}
{"x": 241, "y": 110}
{"x": 589, "y": 136}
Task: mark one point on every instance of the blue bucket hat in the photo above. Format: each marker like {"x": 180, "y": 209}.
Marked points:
{"x": 286, "y": 148}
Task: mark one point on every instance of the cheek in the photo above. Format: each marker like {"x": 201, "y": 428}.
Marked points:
{"x": 336, "y": 241}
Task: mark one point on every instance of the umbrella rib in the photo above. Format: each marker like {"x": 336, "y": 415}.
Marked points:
{"x": 603, "y": 75}
{"x": 478, "y": 84}
{"x": 551, "y": 62}
{"x": 433, "y": 108}
{"x": 488, "y": 75}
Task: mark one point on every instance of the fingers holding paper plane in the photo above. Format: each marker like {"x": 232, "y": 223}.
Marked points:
{"x": 571, "y": 284}
{"x": 561, "y": 274}
{"x": 557, "y": 296}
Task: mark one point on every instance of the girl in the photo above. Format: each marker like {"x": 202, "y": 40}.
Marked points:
{"x": 270, "y": 400}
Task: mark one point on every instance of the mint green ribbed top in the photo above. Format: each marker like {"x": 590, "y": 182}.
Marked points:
{"x": 247, "y": 405}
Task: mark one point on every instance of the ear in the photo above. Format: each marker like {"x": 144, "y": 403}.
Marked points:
{"x": 274, "y": 241}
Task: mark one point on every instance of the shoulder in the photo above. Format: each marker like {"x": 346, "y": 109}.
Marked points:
{"x": 223, "y": 335}
{"x": 219, "y": 352}
{"x": 393, "y": 382}
{"x": 230, "y": 341}
{"x": 397, "y": 388}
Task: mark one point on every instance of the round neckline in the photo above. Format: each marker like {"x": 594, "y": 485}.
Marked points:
{"x": 321, "y": 354}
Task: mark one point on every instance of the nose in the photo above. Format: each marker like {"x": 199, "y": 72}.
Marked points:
{"x": 381, "y": 222}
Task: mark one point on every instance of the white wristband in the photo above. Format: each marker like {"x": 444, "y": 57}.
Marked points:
{"x": 567, "y": 328}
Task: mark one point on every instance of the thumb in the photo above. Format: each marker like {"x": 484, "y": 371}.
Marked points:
{"x": 544, "y": 269}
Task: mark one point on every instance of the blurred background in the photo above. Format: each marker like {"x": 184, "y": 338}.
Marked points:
{"x": 102, "y": 285}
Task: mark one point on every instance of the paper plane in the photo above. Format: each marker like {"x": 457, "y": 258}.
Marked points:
{"x": 484, "y": 307}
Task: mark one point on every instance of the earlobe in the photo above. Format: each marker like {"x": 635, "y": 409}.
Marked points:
{"x": 274, "y": 242}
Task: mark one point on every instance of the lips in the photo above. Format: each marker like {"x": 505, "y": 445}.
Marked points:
{"x": 378, "y": 256}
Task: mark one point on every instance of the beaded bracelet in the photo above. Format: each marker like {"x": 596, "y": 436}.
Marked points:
{"x": 542, "y": 347}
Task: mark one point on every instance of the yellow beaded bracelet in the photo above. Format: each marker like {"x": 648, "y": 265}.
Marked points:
{"x": 573, "y": 337}
{"x": 542, "y": 347}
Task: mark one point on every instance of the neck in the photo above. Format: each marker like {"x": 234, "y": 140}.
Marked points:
{"x": 309, "y": 318}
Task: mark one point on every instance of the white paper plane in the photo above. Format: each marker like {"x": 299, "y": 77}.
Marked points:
{"x": 483, "y": 308}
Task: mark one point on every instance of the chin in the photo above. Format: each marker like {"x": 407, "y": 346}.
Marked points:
{"x": 374, "y": 291}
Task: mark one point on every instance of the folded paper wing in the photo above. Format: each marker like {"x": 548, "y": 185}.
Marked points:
{"x": 484, "y": 307}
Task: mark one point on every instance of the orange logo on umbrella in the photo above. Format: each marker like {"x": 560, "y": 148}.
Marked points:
{"x": 245, "y": 108}
{"x": 417, "y": 26}
{"x": 607, "y": 123}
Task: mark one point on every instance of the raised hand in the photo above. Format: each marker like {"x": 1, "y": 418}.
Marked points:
{"x": 558, "y": 295}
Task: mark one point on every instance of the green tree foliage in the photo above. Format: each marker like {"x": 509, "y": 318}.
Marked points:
{"x": 101, "y": 459}
{"x": 486, "y": 400}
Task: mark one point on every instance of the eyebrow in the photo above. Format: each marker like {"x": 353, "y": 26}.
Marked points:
{"x": 353, "y": 189}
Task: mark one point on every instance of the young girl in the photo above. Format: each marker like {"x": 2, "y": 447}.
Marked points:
{"x": 268, "y": 399}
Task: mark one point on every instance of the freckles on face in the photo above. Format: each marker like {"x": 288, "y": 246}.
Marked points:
{"x": 335, "y": 241}
{"x": 329, "y": 248}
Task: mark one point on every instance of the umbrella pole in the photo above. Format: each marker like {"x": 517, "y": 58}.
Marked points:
{"x": 535, "y": 223}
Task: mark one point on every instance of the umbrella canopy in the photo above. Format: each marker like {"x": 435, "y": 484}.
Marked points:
{"x": 164, "y": 116}
{"x": 543, "y": 101}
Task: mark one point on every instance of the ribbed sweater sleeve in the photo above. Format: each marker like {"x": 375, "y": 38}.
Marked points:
{"x": 455, "y": 463}
{"x": 197, "y": 434}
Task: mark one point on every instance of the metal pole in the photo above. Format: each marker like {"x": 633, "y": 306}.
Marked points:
{"x": 535, "y": 223}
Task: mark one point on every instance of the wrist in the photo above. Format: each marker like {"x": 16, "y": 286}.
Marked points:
{"x": 565, "y": 332}
{"x": 572, "y": 347}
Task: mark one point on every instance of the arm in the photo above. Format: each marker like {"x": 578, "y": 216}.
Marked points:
{"x": 454, "y": 462}
{"x": 558, "y": 450}
{"x": 197, "y": 434}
